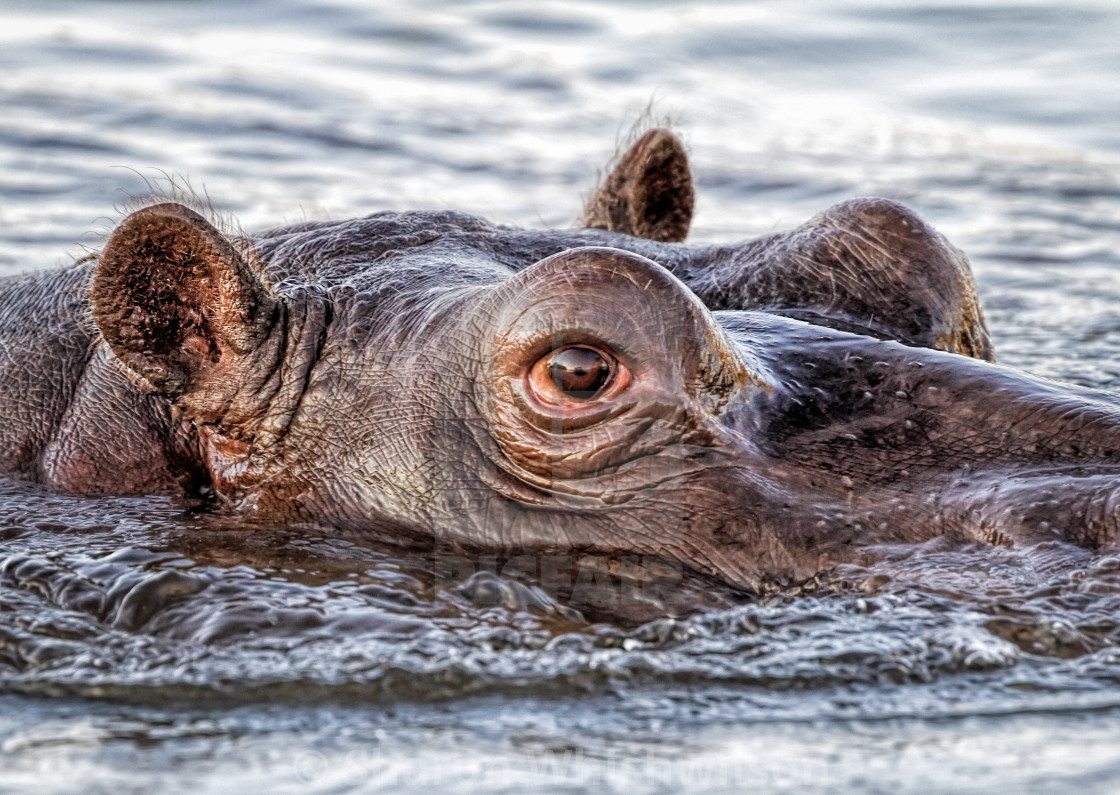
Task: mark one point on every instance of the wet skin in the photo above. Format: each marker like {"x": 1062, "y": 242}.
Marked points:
{"x": 757, "y": 411}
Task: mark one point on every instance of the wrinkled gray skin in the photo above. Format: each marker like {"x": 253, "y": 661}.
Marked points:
{"x": 776, "y": 405}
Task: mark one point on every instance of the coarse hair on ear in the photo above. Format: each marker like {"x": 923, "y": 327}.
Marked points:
{"x": 175, "y": 300}
{"x": 648, "y": 193}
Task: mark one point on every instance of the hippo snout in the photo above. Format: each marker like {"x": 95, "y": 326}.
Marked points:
{"x": 628, "y": 416}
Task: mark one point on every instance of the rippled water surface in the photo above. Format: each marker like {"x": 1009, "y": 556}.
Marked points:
{"x": 143, "y": 648}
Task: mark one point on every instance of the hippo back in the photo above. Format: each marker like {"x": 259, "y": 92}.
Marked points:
{"x": 46, "y": 338}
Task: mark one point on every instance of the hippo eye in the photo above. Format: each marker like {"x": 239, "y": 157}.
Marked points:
{"x": 579, "y": 372}
{"x": 576, "y": 372}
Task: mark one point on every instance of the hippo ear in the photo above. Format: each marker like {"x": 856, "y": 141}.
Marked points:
{"x": 648, "y": 194}
{"x": 175, "y": 300}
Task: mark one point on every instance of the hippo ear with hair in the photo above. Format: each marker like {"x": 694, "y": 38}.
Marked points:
{"x": 175, "y": 300}
{"x": 648, "y": 194}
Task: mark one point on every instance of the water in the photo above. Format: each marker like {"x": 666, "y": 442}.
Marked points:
{"x": 142, "y": 648}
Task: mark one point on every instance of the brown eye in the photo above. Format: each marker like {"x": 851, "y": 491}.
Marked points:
{"x": 577, "y": 372}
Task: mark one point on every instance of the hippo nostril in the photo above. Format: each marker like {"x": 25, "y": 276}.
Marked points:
{"x": 579, "y": 372}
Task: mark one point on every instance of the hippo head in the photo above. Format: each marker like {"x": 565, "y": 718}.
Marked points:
{"x": 430, "y": 377}
{"x": 576, "y": 404}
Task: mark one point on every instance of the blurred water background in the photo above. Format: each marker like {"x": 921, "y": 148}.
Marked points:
{"x": 140, "y": 651}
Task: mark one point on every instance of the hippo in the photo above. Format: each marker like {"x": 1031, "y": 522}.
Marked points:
{"x": 757, "y": 411}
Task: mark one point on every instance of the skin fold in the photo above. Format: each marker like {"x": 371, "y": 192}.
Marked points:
{"x": 756, "y": 411}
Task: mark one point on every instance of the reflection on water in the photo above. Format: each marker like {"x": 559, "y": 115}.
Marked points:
{"x": 236, "y": 655}
{"x": 143, "y": 647}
